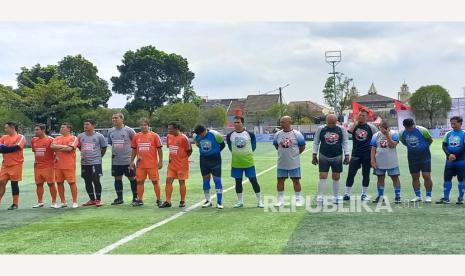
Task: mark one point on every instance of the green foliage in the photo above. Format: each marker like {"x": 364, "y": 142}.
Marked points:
{"x": 186, "y": 114}
{"x": 37, "y": 74}
{"x": 300, "y": 114}
{"x": 342, "y": 98}
{"x": 213, "y": 117}
{"x": 430, "y": 102}
{"x": 49, "y": 102}
{"x": 80, "y": 73}
{"x": 151, "y": 78}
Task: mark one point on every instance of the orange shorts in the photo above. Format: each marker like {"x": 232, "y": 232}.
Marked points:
{"x": 144, "y": 173}
{"x": 12, "y": 173}
{"x": 44, "y": 175}
{"x": 65, "y": 174}
{"x": 177, "y": 174}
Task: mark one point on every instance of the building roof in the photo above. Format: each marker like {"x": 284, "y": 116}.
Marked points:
{"x": 369, "y": 98}
{"x": 312, "y": 107}
{"x": 229, "y": 104}
{"x": 262, "y": 102}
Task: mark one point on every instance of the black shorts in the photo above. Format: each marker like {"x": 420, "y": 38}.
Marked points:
{"x": 90, "y": 171}
{"x": 416, "y": 167}
{"x": 120, "y": 170}
{"x": 210, "y": 165}
{"x": 325, "y": 163}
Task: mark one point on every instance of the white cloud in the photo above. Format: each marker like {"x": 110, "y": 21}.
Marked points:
{"x": 236, "y": 59}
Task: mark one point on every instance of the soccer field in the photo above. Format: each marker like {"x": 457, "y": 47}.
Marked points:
{"x": 425, "y": 229}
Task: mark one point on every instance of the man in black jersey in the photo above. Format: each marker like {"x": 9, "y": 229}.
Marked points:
{"x": 332, "y": 141}
{"x": 361, "y": 132}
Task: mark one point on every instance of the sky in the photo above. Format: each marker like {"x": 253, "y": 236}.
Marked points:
{"x": 236, "y": 59}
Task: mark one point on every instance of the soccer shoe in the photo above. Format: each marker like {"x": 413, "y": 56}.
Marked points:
{"x": 260, "y": 205}
{"x": 279, "y": 204}
{"x": 319, "y": 199}
{"x": 443, "y": 201}
{"x": 89, "y": 203}
{"x": 397, "y": 200}
{"x": 298, "y": 202}
{"x": 239, "y": 205}
{"x": 117, "y": 201}
{"x": 364, "y": 198}
{"x": 346, "y": 197}
{"x": 416, "y": 199}
{"x": 219, "y": 206}
{"x": 75, "y": 205}
{"x": 459, "y": 201}
{"x": 165, "y": 204}
{"x": 63, "y": 205}
{"x": 377, "y": 199}
{"x": 98, "y": 203}
{"x": 207, "y": 204}
{"x": 158, "y": 203}
{"x": 55, "y": 206}
{"x": 336, "y": 199}
{"x": 182, "y": 204}
{"x": 38, "y": 205}
{"x": 137, "y": 203}
{"x": 13, "y": 207}
{"x": 428, "y": 199}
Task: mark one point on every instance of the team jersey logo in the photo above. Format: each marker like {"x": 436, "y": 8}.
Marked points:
{"x": 240, "y": 142}
{"x": 205, "y": 145}
{"x": 286, "y": 142}
{"x": 412, "y": 141}
{"x": 454, "y": 141}
{"x": 361, "y": 134}
{"x": 383, "y": 143}
{"x": 331, "y": 138}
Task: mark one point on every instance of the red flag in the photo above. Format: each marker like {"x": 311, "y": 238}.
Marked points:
{"x": 400, "y": 106}
{"x": 356, "y": 109}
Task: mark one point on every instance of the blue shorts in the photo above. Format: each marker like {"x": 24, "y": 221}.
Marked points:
{"x": 455, "y": 168}
{"x": 391, "y": 172}
{"x": 239, "y": 172}
{"x": 295, "y": 173}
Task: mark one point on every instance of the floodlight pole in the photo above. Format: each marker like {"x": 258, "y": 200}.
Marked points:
{"x": 333, "y": 58}
{"x": 281, "y": 99}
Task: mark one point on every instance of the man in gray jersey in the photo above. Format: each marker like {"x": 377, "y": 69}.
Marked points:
{"x": 93, "y": 146}
{"x": 329, "y": 144}
{"x": 120, "y": 137}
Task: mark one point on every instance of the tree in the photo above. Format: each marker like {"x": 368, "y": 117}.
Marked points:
{"x": 186, "y": 114}
{"x": 49, "y": 102}
{"x": 276, "y": 110}
{"x": 80, "y": 73}
{"x": 9, "y": 112}
{"x": 342, "y": 98}
{"x": 188, "y": 96}
{"x": 213, "y": 116}
{"x": 37, "y": 74}
{"x": 300, "y": 114}
{"x": 429, "y": 102}
{"x": 152, "y": 77}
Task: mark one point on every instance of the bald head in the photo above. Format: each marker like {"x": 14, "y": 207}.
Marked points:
{"x": 331, "y": 120}
{"x": 285, "y": 122}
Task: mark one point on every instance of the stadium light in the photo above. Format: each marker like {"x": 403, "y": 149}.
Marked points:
{"x": 333, "y": 58}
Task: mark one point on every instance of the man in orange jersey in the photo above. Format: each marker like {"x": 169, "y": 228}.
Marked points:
{"x": 147, "y": 146}
{"x": 65, "y": 163}
{"x": 44, "y": 170}
{"x": 12, "y": 145}
{"x": 178, "y": 167}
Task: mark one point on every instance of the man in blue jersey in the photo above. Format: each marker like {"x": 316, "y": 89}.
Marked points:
{"x": 454, "y": 148}
{"x": 210, "y": 144}
{"x": 418, "y": 140}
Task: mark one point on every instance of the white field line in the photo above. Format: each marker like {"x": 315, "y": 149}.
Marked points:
{"x": 141, "y": 232}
